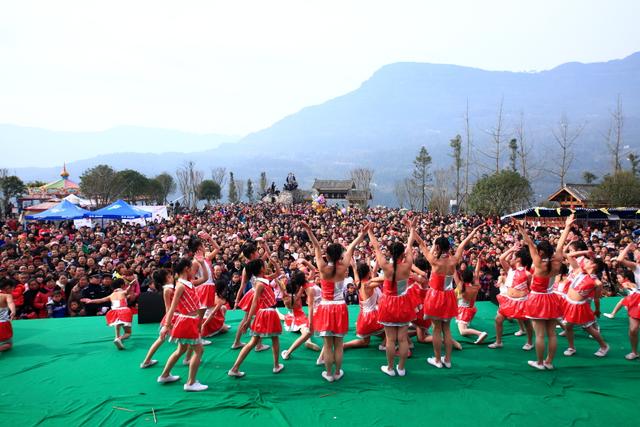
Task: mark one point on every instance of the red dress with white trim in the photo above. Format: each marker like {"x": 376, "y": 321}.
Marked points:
{"x": 419, "y": 293}
{"x": 207, "y": 290}
{"x": 367, "y": 323}
{"x": 542, "y": 303}
{"x": 6, "y": 330}
{"x": 266, "y": 322}
{"x": 580, "y": 312}
{"x": 440, "y": 302}
{"x": 296, "y": 319}
{"x": 331, "y": 318}
{"x": 216, "y": 323}
{"x": 186, "y": 325}
{"x": 466, "y": 310}
{"x": 632, "y": 301}
{"x": 396, "y": 305}
{"x": 245, "y": 302}
{"x": 509, "y": 307}
{"x": 119, "y": 314}
{"x": 165, "y": 287}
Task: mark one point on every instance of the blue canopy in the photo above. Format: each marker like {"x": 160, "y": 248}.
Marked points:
{"x": 118, "y": 210}
{"x": 64, "y": 210}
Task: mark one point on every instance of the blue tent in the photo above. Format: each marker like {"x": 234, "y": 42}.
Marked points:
{"x": 63, "y": 211}
{"x": 118, "y": 210}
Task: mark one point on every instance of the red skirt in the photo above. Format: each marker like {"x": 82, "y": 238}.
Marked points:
{"x": 266, "y": 323}
{"x": 511, "y": 308}
{"x": 331, "y": 319}
{"x": 296, "y": 321}
{"x": 542, "y": 306}
{"x": 207, "y": 295}
{"x": 185, "y": 330}
{"x": 215, "y": 324}
{"x": 466, "y": 314}
{"x": 246, "y": 301}
{"x": 367, "y": 324}
{"x": 119, "y": 316}
{"x": 396, "y": 310}
{"x": 440, "y": 305}
{"x": 632, "y": 302}
{"x": 6, "y": 332}
{"x": 579, "y": 314}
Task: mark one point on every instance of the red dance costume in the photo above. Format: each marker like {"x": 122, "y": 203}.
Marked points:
{"x": 207, "y": 290}
{"x": 317, "y": 295}
{"x": 217, "y": 321}
{"x": 466, "y": 310}
{"x": 440, "y": 302}
{"x": 396, "y": 306}
{"x": 296, "y": 319}
{"x": 247, "y": 299}
{"x": 119, "y": 314}
{"x": 172, "y": 287}
{"x": 331, "y": 318}
{"x": 367, "y": 323}
{"x": 542, "y": 303}
{"x": 580, "y": 312}
{"x": 419, "y": 293}
{"x": 632, "y": 301}
{"x": 186, "y": 322}
{"x": 6, "y": 330}
{"x": 266, "y": 323}
{"x": 514, "y": 308}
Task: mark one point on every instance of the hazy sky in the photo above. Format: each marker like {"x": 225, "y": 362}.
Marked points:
{"x": 237, "y": 66}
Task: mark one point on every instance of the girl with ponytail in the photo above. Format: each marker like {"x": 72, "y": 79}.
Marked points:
{"x": 369, "y": 294}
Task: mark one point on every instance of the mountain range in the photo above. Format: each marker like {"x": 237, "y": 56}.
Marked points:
{"x": 383, "y": 123}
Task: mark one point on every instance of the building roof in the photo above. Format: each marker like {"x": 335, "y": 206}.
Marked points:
{"x": 359, "y": 195}
{"x": 581, "y": 192}
{"x": 333, "y": 185}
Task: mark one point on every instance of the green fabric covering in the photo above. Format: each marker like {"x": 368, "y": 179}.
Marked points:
{"x": 68, "y": 372}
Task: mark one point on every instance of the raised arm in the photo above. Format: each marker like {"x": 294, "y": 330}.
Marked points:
{"x": 565, "y": 233}
{"x": 624, "y": 260}
{"x": 533, "y": 251}
{"x": 316, "y": 245}
{"x": 465, "y": 242}
{"x": 428, "y": 253}
{"x": 478, "y": 270}
{"x": 380, "y": 259}
{"x": 504, "y": 257}
{"x": 408, "y": 252}
{"x": 356, "y": 242}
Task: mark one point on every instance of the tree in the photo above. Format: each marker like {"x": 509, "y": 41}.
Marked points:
{"x": 565, "y": 137}
{"x": 233, "y": 191}
{"x": 500, "y": 193}
{"x": 613, "y": 137}
{"x": 496, "y": 134}
{"x": 35, "y": 184}
{"x": 513, "y": 153}
{"x": 102, "y": 184}
{"x": 240, "y": 189}
{"x": 467, "y": 160}
{"x": 400, "y": 191}
{"x": 441, "y": 191}
{"x": 421, "y": 175}
{"x": 189, "y": 179}
{"x": 634, "y": 159}
{"x": 219, "y": 175}
{"x": 209, "y": 190}
{"x": 134, "y": 185}
{"x": 250, "y": 195}
{"x": 620, "y": 189}
{"x": 414, "y": 193}
{"x": 11, "y": 186}
{"x": 524, "y": 150}
{"x": 588, "y": 177}
{"x": 456, "y": 145}
{"x": 362, "y": 178}
{"x": 166, "y": 186}
{"x": 263, "y": 183}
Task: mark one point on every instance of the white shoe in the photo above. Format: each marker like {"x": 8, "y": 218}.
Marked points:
{"x": 382, "y": 347}
{"x": 434, "y": 362}
{"x": 169, "y": 379}
{"x": 548, "y": 366}
{"x": 262, "y": 347}
{"x": 118, "y": 343}
{"x": 186, "y": 362}
{"x": 236, "y": 374}
{"x": 278, "y": 369}
{"x": 386, "y": 370}
{"x": 401, "y": 372}
{"x": 445, "y": 363}
{"x": 519, "y": 333}
{"x": 535, "y": 364}
{"x": 631, "y": 356}
{"x": 196, "y": 386}
{"x": 148, "y": 364}
{"x": 319, "y": 361}
{"x": 338, "y": 376}
{"x": 327, "y": 377}
{"x": 481, "y": 338}
{"x": 562, "y": 333}
{"x": 237, "y": 346}
{"x": 284, "y": 354}
{"x": 527, "y": 347}
{"x": 602, "y": 352}
{"x": 569, "y": 352}
{"x": 608, "y": 315}
{"x": 205, "y": 342}
{"x": 495, "y": 345}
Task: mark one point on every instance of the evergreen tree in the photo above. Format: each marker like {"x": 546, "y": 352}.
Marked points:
{"x": 421, "y": 175}
{"x": 233, "y": 191}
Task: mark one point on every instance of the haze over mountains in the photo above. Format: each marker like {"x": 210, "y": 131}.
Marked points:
{"x": 382, "y": 125}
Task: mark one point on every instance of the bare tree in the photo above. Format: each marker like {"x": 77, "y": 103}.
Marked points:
{"x": 441, "y": 191}
{"x": 400, "y": 191}
{"x": 413, "y": 190}
{"x": 565, "y": 137}
{"x": 497, "y": 134}
{"x": 240, "y": 188}
{"x": 467, "y": 160}
{"x": 189, "y": 180}
{"x": 614, "y": 136}
{"x": 362, "y": 178}
{"x": 219, "y": 176}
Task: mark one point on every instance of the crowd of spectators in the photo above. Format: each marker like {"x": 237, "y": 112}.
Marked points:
{"x": 54, "y": 265}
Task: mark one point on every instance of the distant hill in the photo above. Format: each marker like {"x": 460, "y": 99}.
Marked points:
{"x": 402, "y": 106}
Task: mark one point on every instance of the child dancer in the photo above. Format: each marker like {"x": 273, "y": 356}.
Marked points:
{"x": 626, "y": 280}
{"x": 295, "y": 320}
{"x": 184, "y": 327}
{"x": 214, "y": 317}
{"x": 7, "y": 314}
{"x": 163, "y": 279}
{"x": 367, "y": 324}
{"x": 120, "y": 315}
{"x": 266, "y": 323}
{"x": 467, "y": 287}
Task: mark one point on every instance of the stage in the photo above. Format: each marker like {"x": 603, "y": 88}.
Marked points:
{"x": 68, "y": 372}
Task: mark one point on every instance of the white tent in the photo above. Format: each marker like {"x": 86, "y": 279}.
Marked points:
{"x": 158, "y": 214}
{"x": 78, "y": 201}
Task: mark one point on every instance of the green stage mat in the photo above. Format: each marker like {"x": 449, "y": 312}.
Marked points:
{"x": 67, "y": 372}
